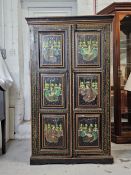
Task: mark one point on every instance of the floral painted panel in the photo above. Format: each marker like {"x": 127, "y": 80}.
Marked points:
{"x": 88, "y": 49}
{"x": 51, "y": 50}
{"x": 88, "y": 130}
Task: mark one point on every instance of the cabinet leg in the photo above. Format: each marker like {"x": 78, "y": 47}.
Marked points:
{"x": 3, "y": 128}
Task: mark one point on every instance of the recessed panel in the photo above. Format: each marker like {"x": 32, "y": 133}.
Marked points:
{"x": 87, "y": 130}
{"x": 87, "y": 91}
{"x": 52, "y": 91}
{"x": 87, "y": 49}
{"x": 51, "y": 51}
{"x": 53, "y": 131}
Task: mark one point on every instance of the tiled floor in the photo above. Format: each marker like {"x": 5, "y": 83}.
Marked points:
{"x": 16, "y": 161}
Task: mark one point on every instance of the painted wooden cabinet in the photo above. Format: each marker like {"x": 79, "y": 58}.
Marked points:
{"x": 70, "y": 89}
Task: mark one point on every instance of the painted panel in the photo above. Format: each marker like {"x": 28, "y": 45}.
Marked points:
{"x": 52, "y": 91}
{"x": 87, "y": 130}
{"x": 54, "y": 131}
{"x": 51, "y": 49}
{"x": 87, "y": 92}
{"x": 87, "y": 47}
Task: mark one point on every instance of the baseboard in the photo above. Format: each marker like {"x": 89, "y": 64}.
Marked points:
{"x": 41, "y": 160}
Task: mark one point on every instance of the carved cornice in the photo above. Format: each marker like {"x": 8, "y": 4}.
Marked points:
{"x": 116, "y": 6}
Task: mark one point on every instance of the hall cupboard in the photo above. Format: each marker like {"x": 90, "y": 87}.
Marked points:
{"x": 70, "y": 89}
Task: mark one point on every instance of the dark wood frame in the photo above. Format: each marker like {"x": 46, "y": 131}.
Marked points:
{"x": 119, "y": 10}
{"x": 70, "y": 25}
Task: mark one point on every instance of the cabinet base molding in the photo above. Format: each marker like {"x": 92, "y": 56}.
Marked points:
{"x": 124, "y": 138}
{"x": 39, "y": 160}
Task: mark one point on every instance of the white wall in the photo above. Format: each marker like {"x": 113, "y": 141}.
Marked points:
{"x": 14, "y": 59}
{"x": 1, "y": 24}
{"x": 2, "y": 45}
{"x": 85, "y": 7}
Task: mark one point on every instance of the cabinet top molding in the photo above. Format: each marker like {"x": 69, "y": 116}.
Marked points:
{"x": 69, "y": 19}
{"x": 116, "y": 6}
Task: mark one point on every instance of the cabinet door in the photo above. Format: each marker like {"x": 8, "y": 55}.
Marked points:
{"x": 51, "y": 90}
{"x": 91, "y": 89}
